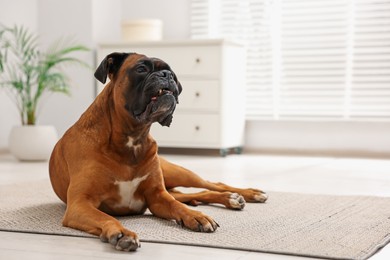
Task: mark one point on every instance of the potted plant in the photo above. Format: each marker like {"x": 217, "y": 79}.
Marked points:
{"x": 28, "y": 74}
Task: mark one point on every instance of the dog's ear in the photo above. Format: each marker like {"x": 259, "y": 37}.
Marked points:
{"x": 180, "y": 88}
{"x": 110, "y": 66}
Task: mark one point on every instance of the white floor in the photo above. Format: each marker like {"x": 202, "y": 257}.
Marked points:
{"x": 276, "y": 173}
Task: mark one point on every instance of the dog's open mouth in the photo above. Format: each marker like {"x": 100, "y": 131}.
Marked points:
{"x": 160, "y": 107}
{"x": 160, "y": 93}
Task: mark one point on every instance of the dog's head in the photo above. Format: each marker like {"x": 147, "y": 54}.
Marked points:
{"x": 148, "y": 86}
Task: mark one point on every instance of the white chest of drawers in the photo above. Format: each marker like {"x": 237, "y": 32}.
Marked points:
{"x": 211, "y": 109}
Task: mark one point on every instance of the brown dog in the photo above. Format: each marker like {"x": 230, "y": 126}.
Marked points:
{"x": 107, "y": 163}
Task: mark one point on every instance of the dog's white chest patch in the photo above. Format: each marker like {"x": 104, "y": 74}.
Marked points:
{"x": 126, "y": 191}
{"x": 130, "y": 144}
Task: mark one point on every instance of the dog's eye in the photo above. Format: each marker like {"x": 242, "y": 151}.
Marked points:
{"x": 142, "y": 69}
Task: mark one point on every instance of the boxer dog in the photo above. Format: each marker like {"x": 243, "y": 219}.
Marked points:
{"x": 107, "y": 164}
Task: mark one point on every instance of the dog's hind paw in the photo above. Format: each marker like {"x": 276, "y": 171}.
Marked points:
{"x": 254, "y": 195}
{"x": 262, "y": 197}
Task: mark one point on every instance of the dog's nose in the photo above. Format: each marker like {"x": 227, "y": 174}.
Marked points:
{"x": 165, "y": 74}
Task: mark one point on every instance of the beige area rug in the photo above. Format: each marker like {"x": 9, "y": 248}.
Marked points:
{"x": 338, "y": 227}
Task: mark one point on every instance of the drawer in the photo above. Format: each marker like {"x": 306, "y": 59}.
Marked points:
{"x": 194, "y": 61}
{"x": 199, "y": 95}
{"x": 184, "y": 60}
{"x": 192, "y": 130}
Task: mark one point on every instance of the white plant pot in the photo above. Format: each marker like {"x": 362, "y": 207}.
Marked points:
{"x": 32, "y": 142}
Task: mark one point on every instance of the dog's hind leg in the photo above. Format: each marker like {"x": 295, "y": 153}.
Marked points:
{"x": 177, "y": 176}
{"x": 226, "y": 198}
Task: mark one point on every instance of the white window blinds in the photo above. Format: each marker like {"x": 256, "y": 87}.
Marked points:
{"x": 307, "y": 59}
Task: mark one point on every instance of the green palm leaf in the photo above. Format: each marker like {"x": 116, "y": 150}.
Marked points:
{"x": 29, "y": 73}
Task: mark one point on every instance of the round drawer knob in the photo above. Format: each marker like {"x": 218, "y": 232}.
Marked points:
{"x": 197, "y": 60}
{"x": 197, "y": 94}
{"x": 197, "y": 128}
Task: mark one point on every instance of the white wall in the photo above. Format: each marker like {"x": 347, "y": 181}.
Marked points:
{"x": 106, "y": 20}
{"x": 71, "y": 18}
{"x": 14, "y": 12}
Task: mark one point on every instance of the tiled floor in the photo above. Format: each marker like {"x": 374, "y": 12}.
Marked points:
{"x": 277, "y": 173}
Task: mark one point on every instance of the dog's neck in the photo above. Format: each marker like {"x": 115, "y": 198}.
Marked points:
{"x": 130, "y": 138}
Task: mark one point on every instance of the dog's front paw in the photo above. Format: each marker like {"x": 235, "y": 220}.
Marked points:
{"x": 198, "y": 222}
{"x": 236, "y": 201}
{"x": 126, "y": 241}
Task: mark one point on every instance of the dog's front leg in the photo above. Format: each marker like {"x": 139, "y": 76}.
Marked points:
{"x": 163, "y": 205}
{"x": 82, "y": 213}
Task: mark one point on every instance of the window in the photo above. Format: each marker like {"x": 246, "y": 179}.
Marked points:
{"x": 307, "y": 59}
